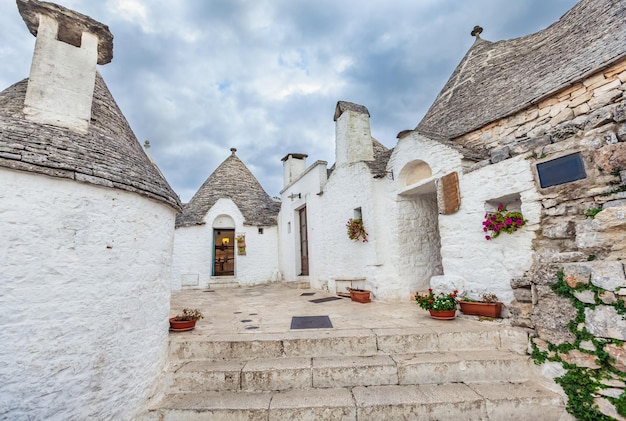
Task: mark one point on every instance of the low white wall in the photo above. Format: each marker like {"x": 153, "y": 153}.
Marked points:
{"x": 84, "y": 298}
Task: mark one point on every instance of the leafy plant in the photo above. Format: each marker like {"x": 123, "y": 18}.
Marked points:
{"x": 356, "y": 230}
{"x": 579, "y": 383}
{"x": 437, "y": 302}
{"x": 489, "y": 298}
{"x": 592, "y": 212}
{"x": 502, "y": 220}
{"x": 189, "y": 314}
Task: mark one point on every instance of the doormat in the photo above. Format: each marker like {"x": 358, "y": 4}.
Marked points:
{"x": 323, "y": 300}
{"x": 307, "y": 294}
{"x": 311, "y": 322}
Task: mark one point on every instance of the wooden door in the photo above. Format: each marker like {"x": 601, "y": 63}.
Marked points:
{"x": 304, "y": 243}
{"x": 224, "y": 252}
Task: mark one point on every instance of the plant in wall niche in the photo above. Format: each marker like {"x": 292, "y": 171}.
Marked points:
{"x": 356, "y": 230}
{"x": 501, "y": 221}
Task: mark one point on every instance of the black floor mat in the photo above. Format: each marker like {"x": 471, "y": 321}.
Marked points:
{"x": 323, "y": 300}
{"x": 311, "y": 322}
{"x": 307, "y": 294}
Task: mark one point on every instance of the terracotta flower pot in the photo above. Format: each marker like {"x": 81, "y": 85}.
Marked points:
{"x": 442, "y": 314}
{"x": 476, "y": 308}
{"x": 181, "y": 325}
{"x": 360, "y": 296}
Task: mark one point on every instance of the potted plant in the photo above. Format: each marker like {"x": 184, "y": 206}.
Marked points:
{"x": 356, "y": 230}
{"x": 185, "y": 321}
{"x": 359, "y": 295}
{"x": 441, "y": 306}
{"x": 501, "y": 221}
{"x": 487, "y": 306}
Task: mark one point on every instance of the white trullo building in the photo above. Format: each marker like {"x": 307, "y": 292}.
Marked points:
{"x": 87, "y": 228}
{"x": 516, "y": 125}
{"x": 227, "y": 234}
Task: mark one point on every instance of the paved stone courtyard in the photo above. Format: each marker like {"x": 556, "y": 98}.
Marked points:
{"x": 270, "y": 308}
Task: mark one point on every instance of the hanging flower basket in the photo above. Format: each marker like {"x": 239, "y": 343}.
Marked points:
{"x": 502, "y": 221}
{"x": 356, "y": 230}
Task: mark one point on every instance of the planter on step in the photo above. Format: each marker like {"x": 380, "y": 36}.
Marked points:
{"x": 442, "y": 314}
{"x": 181, "y": 325}
{"x": 477, "y": 308}
{"x": 360, "y": 296}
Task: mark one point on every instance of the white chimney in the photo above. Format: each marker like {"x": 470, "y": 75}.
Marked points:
{"x": 63, "y": 70}
{"x": 294, "y": 164}
{"x": 353, "y": 138}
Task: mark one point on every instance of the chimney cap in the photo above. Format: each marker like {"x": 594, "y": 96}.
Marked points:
{"x": 343, "y": 106}
{"x": 70, "y": 22}
{"x": 295, "y": 156}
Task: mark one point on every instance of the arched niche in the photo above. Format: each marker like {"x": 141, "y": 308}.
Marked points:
{"x": 414, "y": 172}
{"x": 223, "y": 222}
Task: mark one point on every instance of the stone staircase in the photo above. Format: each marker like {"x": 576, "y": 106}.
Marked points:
{"x": 452, "y": 371}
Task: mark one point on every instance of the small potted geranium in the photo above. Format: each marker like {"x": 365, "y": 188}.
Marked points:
{"x": 441, "y": 306}
{"x": 501, "y": 221}
{"x": 186, "y": 320}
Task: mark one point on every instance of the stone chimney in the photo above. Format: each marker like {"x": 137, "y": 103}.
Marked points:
{"x": 294, "y": 164}
{"x": 353, "y": 138}
{"x": 63, "y": 70}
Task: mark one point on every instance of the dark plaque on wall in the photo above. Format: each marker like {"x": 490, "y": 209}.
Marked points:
{"x": 561, "y": 170}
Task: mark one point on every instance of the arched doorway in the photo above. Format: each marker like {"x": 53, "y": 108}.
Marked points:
{"x": 418, "y": 225}
{"x": 223, "y": 246}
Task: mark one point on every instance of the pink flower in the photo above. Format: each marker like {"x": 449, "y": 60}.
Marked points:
{"x": 487, "y": 237}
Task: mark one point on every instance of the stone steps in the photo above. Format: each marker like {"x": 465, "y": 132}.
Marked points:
{"x": 279, "y": 374}
{"x": 444, "y": 371}
{"x": 328, "y": 343}
{"x": 457, "y": 401}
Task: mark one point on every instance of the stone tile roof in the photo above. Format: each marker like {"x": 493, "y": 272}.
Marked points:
{"x": 108, "y": 155}
{"x": 71, "y": 25}
{"x": 378, "y": 166}
{"x": 231, "y": 180}
{"x": 496, "y": 79}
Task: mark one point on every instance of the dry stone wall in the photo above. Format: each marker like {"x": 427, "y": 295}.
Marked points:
{"x": 573, "y": 294}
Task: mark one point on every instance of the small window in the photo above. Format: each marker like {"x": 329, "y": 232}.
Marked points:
{"x": 288, "y": 227}
{"x": 561, "y": 170}
{"x": 358, "y": 214}
{"x": 260, "y": 230}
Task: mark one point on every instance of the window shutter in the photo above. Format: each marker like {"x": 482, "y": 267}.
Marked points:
{"x": 448, "y": 194}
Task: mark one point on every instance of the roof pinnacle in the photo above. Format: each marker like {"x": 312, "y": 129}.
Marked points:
{"x": 477, "y": 31}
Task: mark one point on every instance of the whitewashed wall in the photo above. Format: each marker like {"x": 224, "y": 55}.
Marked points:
{"x": 193, "y": 251}
{"x": 413, "y": 217}
{"x": 492, "y": 264}
{"x": 348, "y": 187}
{"x": 308, "y": 185}
{"x": 84, "y": 298}
{"x": 464, "y": 249}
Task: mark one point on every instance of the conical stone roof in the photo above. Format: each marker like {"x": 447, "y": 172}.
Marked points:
{"x": 496, "y": 79}
{"x": 108, "y": 155}
{"x": 231, "y": 180}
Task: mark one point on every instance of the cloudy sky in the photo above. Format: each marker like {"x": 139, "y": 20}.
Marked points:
{"x": 197, "y": 77}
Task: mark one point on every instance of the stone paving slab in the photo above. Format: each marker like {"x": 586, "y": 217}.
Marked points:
{"x": 269, "y": 309}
